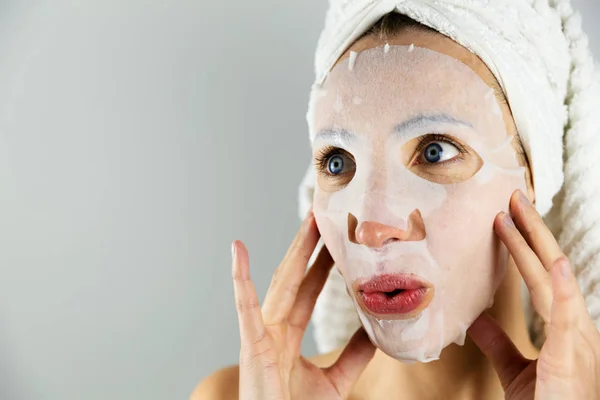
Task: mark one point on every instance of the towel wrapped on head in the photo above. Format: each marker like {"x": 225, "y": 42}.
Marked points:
{"x": 540, "y": 56}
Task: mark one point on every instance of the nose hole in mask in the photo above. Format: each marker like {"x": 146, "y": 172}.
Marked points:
{"x": 352, "y": 225}
{"x": 377, "y": 235}
{"x": 416, "y": 226}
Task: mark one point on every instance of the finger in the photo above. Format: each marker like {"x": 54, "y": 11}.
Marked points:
{"x": 351, "y": 363}
{"x": 258, "y": 362}
{"x": 246, "y": 301}
{"x": 498, "y": 348}
{"x": 568, "y": 301}
{"x": 286, "y": 281}
{"x": 567, "y": 308}
{"x": 534, "y": 274}
{"x": 534, "y": 230}
{"x": 309, "y": 292}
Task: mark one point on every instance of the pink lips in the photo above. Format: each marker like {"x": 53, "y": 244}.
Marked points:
{"x": 394, "y": 296}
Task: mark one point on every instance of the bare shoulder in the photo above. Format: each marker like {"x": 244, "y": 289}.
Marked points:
{"x": 222, "y": 384}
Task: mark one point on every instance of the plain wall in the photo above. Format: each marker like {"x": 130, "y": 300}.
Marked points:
{"x": 137, "y": 140}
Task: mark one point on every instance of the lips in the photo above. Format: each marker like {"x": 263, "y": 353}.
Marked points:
{"x": 393, "y": 296}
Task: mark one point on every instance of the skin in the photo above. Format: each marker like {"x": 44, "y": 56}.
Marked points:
{"x": 496, "y": 360}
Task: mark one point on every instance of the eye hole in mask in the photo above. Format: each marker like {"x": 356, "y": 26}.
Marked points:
{"x": 335, "y": 168}
{"x": 441, "y": 159}
{"x": 435, "y": 157}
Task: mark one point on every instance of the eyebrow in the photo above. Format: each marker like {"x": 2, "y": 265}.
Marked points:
{"x": 420, "y": 120}
{"x": 341, "y": 136}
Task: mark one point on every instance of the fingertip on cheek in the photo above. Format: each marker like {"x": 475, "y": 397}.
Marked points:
{"x": 514, "y": 204}
{"x": 522, "y": 197}
{"x": 309, "y": 213}
{"x": 503, "y": 221}
{"x": 497, "y": 221}
{"x": 309, "y": 223}
{"x": 508, "y": 221}
{"x": 315, "y": 227}
{"x": 521, "y": 207}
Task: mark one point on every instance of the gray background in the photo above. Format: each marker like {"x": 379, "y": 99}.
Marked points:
{"x": 137, "y": 139}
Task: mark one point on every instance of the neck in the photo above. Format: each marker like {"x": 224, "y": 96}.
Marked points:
{"x": 462, "y": 372}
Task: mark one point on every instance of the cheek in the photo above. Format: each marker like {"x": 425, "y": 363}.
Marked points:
{"x": 333, "y": 236}
{"x": 330, "y": 226}
{"x": 461, "y": 231}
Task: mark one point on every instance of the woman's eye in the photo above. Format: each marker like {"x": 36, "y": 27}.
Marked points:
{"x": 440, "y": 158}
{"x": 436, "y": 152}
{"x": 335, "y": 168}
{"x": 335, "y": 165}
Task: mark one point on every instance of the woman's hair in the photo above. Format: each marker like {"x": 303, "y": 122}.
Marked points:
{"x": 394, "y": 23}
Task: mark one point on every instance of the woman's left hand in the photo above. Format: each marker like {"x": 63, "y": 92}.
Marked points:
{"x": 568, "y": 366}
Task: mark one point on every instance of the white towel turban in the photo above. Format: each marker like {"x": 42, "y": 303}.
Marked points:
{"x": 540, "y": 56}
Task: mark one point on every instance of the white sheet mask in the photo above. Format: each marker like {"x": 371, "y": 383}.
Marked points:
{"x": 395, "y": 216}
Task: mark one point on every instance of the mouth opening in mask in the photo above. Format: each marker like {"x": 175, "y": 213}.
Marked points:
{"x": 393, "y": 296}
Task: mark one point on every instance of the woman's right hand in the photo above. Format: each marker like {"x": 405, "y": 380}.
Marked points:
{"x": 271, "y": 367}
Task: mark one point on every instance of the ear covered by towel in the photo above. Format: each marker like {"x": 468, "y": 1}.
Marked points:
{"x": 540, "y": 56}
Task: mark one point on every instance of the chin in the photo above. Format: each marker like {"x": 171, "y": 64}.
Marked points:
{"x": 422, "y": 337}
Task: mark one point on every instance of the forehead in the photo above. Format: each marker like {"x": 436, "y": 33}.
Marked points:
{"x": 429, "y": 40}
{"x": 379, "y": 88}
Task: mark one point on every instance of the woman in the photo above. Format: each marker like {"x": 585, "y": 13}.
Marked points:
{"x": 456, "y": 146}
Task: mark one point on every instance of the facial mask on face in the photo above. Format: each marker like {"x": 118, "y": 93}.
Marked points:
{"x": 414, "y": 163}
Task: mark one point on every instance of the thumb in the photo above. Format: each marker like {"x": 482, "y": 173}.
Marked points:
{"x": 344, "y": 373}
{"x": 506, "y": 359}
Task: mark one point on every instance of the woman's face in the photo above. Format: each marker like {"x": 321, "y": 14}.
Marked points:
{"x": 414, "y": 161}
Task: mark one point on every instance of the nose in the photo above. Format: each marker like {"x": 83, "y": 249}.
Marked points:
{"x": 376, "y": 235}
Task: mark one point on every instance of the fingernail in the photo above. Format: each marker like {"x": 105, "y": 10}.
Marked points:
{"x": 523, "y": 199}
{"x": 565, "y": 269}
{"x": 508, "y": 221}
{"x": 233, "y": 250}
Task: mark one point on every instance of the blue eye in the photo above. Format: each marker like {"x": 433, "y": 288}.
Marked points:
{"x": 439, "y": 151}
{"x": 433, "y": 152}
{"x": 335, "y": 166}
